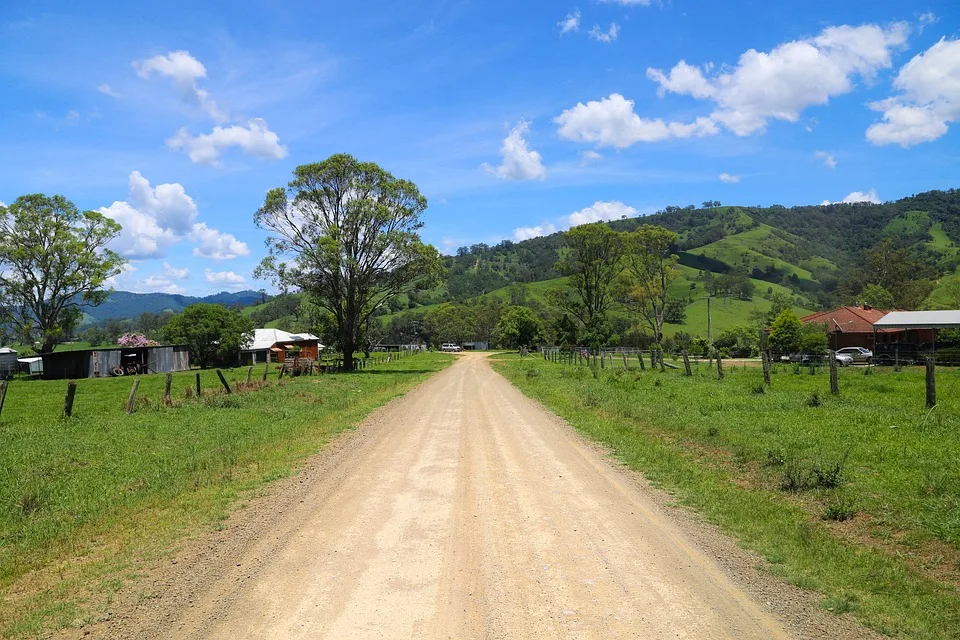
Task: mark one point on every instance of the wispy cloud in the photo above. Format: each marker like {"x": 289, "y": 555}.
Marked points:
{"x": 608, "y": 36}
{"x": 828, "y": 160}
{"x": 571, "y": 22}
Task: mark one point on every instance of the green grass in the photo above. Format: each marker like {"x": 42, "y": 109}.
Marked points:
{"x": 757, "y": 247}
{"x": 729, "y": 451}
{"x": 909, "y": 223}
{"x": 83, "y": 499}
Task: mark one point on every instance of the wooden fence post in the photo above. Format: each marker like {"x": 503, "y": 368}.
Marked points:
{"x": 765, "y": 361}
{"x": 663, "y": 366}
{"x": 249, "y": 374}
{"x": 719, "y": 366}
{"x": 3, "y": 393}
{"x": 133, "y": 396}
{"x": 710, "y": 362}
{"x": 643, "y": 366}
{"x": 68, "y": 399}
{"x": 834, "y": 381}
{"x": 223, "y": 381}
{"x": 686, "y": 363}
{"x": 931, "y": 384}
{"x": 266, "y": 370}
{"x": 166, "y": 389}
{"x": 625, "y": 361}
{"x": 198, "y": 384}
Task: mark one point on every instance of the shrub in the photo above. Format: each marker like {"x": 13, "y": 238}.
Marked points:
{"x": 814, "y": 400}
{"x": 840, "y": 507}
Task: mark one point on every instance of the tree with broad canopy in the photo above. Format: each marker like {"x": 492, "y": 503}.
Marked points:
{"x": 345, "y": 233}
{"x": 53, "y": 261}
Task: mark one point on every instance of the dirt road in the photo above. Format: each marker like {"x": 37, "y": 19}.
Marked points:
{"x": 468, "y": 512}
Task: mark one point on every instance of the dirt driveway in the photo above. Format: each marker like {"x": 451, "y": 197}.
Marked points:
{"x": 463, "y": 510}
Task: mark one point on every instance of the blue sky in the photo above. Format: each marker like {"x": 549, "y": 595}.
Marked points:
{"x": 513, "y": 118}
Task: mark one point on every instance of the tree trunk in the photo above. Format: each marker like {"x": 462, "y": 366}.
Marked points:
{"x": 348, "y": 359}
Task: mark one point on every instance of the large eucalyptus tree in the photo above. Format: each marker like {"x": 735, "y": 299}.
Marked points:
{"x": 345, "y": 232}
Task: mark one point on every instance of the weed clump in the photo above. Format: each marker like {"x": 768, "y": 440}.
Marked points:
{"x": 840, "y": 508}
{"x": 800, "y": 475}
{"x": 814, "y": 400}
{"x": 533, "y": 373}
{"x": 759, "y": 389}
{"x": 775, "y": 458}
{"x": 713, "y": 432}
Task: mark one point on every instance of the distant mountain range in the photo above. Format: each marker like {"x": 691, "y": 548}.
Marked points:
{"x": 124, "y": 304}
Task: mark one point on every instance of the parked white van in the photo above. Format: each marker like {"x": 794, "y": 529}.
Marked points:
{"x": 449, "y": 346}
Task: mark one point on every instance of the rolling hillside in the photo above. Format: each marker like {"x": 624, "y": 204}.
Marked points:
{"x": 124, "y": 304}
{"x": 814, "y": 254}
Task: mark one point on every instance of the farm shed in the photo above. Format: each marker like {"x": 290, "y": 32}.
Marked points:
{"x": 8, "y": 362}
{"x": 922, "y": 325}
{"x": 99, "y": 363}
{"x": 276, "y": 345}
{"x": 32, "y": 366}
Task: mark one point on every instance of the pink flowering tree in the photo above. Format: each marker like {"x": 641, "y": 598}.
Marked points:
{"x": 131, "y": 340}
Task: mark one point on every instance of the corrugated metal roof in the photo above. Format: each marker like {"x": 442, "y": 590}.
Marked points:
{"x": 949, "y": 319}
{"x": 266, "y": 338}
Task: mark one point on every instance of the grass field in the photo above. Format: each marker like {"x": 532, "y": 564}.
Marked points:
{"x": 855, "y": 496}
{"x": 83, "y": 499}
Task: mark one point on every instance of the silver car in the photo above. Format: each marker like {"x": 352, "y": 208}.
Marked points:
{"x": 859, "y": 354}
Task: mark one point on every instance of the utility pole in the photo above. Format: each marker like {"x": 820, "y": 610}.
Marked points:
{"x": 709, "y": 332}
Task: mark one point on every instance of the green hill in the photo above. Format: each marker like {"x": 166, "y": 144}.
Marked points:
{"x": 816, "y": 255}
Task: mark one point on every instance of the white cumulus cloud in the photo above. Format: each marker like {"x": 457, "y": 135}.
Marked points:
{"x": 929, "y": 100}
{"x": 793, "y": 76}
{"x": 612, "y": 122}
{"x": 255, "y": 139}
{"x": 226, "y": 279}
{"x": 601, "y": 211}
{"x": 519, "y": 161}
{"x": 154, "y": 218}
{"x": 828, "y": 160}
{"x": 160, "y": 283}
{"x": 608, "y": 36}
{"x": 216, "y": 245}
{"x": 571, "y": 22}
{"x": 729, "y": 178}
{"x": 175, "y": 273}
{"x": 525, "y": 233}
{"x": 183, "y": 70}
{"x": 856, "y": 196}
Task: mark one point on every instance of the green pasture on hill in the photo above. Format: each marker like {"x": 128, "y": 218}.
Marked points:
{"x": 855, "y": 496}
{"x": 83, "y": 498}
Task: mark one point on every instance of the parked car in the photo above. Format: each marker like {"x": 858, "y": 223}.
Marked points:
{"x": 450, "y": 347}
{"x": 843, "y": 359}
{"x": 859, "y": 354}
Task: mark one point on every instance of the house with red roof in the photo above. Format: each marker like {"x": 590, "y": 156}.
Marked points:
{"x": 853, "y": 327}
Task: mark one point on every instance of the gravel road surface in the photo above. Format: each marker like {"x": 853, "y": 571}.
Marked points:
{"x": 465, "y": 510}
